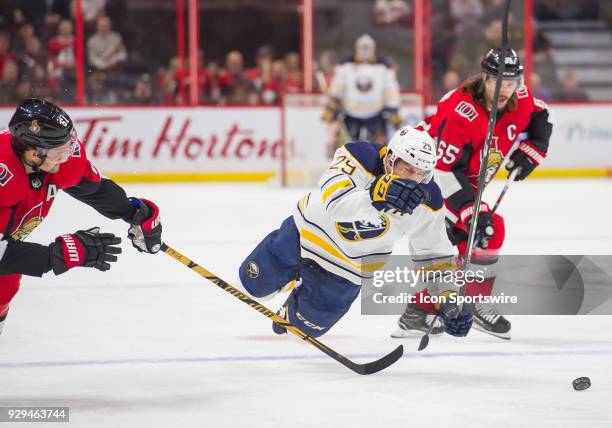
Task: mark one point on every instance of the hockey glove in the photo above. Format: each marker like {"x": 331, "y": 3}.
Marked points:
{"x": 88, "y": 248}
{"x": 525, "y": 159}
{"x": 457, "y": 321}
{"x": 392, "y": 116}
{"x": 485, "y": 229}
{"x": 332, "y": 110}
{"x": 391, "y": 192}
{"x": 145, "y": 230}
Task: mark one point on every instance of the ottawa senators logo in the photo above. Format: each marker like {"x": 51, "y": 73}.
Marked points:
{"x": 34, "y": 127}
{"x": 493, "y": 164}
{"x": 26, "y": 228}
{"x": 362, "y": 230}
{"x": 466, "y": 110}
{"x": 5, "y": 175}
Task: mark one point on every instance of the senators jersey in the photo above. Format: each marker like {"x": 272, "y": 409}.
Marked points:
{"x": 26, "y": 199}
{"x": 460, "y": 150}
{"x": 341, "y": 230}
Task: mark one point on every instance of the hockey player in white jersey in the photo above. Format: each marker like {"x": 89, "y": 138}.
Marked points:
{"x": 364, "y": 94}
{"x": 339, "y": 235}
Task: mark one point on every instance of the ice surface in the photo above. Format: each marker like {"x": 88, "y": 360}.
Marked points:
{"x": 152, "y": 344}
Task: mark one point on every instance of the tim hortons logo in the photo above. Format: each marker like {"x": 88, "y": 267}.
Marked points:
{"x": 466, "y": 110}
{"x": 175, "y": 141}
{"x": 5, "y": 175}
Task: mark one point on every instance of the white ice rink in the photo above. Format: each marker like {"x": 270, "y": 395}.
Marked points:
{"x": 152, "y": 344}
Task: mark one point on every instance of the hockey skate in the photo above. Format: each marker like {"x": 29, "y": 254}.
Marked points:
{"x": 415, "y": 321}
{"x": 488, "y": 320}
{"x": 2, "y": 321}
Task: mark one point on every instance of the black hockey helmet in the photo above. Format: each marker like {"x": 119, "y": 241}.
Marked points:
{"x": 491, "y": 62}
{"x": 41, "y": 124}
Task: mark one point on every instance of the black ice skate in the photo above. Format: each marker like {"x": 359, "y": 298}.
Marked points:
{"x": 415, "y": 321}
{"x": 488, "y": 320}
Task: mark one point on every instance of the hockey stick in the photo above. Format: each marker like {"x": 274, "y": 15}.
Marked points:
{"x": 362, "y": 369}
{"x": 504, "y": 190}
{"x": 483, "y": 165}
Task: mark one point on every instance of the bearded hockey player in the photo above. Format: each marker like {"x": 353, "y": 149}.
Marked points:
{"x": 364, "y": 94}
{"x": 370, "y": 197}
{"x": 466, "y": 111}
{"x": 39, "y": 156}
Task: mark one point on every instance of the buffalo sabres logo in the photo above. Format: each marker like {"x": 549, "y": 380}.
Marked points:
{"x": 362, "y": 230}
{"x": 252, "y": 270}
{"x": 364, "y": 84}
{"x": 34, "y": 127}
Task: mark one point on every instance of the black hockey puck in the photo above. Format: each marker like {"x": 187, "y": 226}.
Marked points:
{"x": 581, "y": 383}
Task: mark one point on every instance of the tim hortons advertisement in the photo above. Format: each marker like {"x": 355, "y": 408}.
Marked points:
{"x": 178, "y": 140}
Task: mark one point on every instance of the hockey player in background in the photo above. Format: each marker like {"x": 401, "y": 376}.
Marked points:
{"x": 466, "y": 111}
{"x": 364, "y": 95}
{"x": 369, "y": 198}
{"x": 39, "y": 156}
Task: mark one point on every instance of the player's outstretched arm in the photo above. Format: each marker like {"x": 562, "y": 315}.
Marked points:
{"x": 87, "y": 248}
{"x": 110, "y": 200}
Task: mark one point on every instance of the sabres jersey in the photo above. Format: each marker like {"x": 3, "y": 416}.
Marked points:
{"x": 364, "y": 89}
{"x": 341, "y": 230}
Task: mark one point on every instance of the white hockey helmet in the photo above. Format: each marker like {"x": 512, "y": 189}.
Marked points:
{"x": 365, "y": 48}
{"x": 415, "y": 147}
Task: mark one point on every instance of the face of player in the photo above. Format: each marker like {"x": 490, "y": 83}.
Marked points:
{"x": 406, "y": 171}
{"x": 53, "y": 159}
{"x": 505, "y": 92}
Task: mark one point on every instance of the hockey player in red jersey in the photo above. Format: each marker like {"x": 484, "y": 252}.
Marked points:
{"x": 522, "y": 118}
{"x": 39, "y": 156}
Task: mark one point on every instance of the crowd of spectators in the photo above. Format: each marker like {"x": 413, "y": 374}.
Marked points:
{"x": 230, "y": 82}
{"x": 37, "y": 58}
{"x": 459, "y": 46}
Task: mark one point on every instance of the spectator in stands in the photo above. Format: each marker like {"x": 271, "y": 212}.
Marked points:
{"x": 237, "y": 88}
{"x": 570, "y": 90}
{"x": 105, "y": 49}
{"x": 33, "y": 56}
{"x": 5, "y": 54}
{"x": 324, "y": 70}
{"x": 24, "y": 33}
{"x": 105, "y": 53}
{"x": 182, "y": 77}
{"x": 213, "y": 90}
{"x": 263, "y": 57}
{"x": 8, "y": 83}
{"x": 539, "y": 90}
{"x": 143, "y": 91}
{"x": 40, "y": 82}
{"x": 61, "y": 60}
{"x": 294, "y": 81}
{"x": 450, "y": 80}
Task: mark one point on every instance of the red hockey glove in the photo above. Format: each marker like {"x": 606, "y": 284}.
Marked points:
{"x": 525, "y": 159}
{"x": 145, "y": 230}
{"x": 88, "y": 248}
{"x": 485, "y": 229}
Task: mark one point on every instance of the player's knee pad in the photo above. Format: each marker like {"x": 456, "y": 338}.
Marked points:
{"x": 320, "y": 301}
{"x": 10, "y": 286}
{"x": 273, "y": 263}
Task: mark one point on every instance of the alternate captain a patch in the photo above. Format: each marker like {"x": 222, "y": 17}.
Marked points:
{"x": 466, "y": 110}
{"x": 5, "y": 175}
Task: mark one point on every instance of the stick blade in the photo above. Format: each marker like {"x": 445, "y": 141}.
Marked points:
{"x": 381, "y": 364}
{"x": 424, "y": 342}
